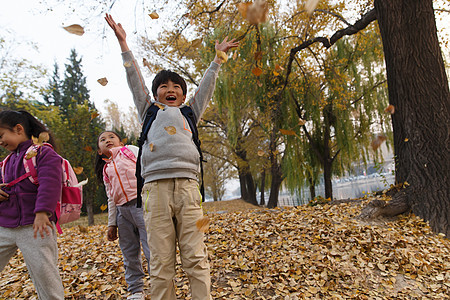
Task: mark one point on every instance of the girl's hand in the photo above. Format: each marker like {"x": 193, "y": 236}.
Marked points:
{"x": 112, "y": 233}
{"x": 41, "y": 223}
{"x": 3, "y": 195}
{"x": 224, "y": 47}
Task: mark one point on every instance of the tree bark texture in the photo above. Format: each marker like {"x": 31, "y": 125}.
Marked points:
{"x": 419, "y": 91}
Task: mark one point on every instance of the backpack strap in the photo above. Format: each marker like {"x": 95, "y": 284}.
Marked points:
{"x": 128, "y": 153}
{"x": 192, "y": 120}
{"x": 3, "y": 164}
{"x": 150, "y": 116}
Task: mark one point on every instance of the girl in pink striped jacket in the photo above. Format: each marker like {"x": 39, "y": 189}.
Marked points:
{"x": 115, "y": 166}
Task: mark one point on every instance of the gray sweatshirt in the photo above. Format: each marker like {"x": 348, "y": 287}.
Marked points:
{"x": 169, "y": 151}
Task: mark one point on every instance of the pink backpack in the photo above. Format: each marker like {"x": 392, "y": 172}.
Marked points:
{"x": 68, "y": 208}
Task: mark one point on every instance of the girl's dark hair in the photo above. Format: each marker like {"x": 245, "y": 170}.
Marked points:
{"x": 164, "y": 76}
{"x": 99, "y": 162}
{"x": 32, "y": 126}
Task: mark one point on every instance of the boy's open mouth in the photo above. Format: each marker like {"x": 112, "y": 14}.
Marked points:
{"x": 171, "y": 98}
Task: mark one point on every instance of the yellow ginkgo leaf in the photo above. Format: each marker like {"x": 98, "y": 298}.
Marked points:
{"x": 202, "y": 224}
{"x": 75, "y": 29}
{"x": 235, "y": 55}
{"x": 171, "y": 130}
{"x": 31, "y": 154}
{"x": 43, "y": 137}
{"x": 103, "y": 81}
{"x": 154, "y": 15}
{"x": 287, "y": 132}
{"x": 406, "y": 139}
{"x": 301, "y": 122}
{"x": 160, "y": 105}
{"x": 390, "y": 109}
{"x": 151, "y": 147}
{"x": 124, "y": 140}
{"x": 377, "y": 141}
{"x": 310, "y": 5}
{"x": 222, "y": 55}
{"x": 260, "y": 153}
{"x": 94, "y": 115}
{"x": 127, "y": 64}
{"x": 103, "y": 207}
{"x": 196, "y": 43}
{"x": 78, "y": 170}
{"x": 259, "y": 83}
{"x": 145, "y": 62}
{"x": 257, "y": 71}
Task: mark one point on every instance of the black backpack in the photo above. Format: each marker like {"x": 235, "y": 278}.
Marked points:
{"x": 150, "y": 116}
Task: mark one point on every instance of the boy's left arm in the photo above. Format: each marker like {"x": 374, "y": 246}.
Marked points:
{"x": 205, "y": 90}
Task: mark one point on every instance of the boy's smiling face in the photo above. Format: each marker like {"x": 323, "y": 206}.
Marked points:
{"x": 170, "y": 93}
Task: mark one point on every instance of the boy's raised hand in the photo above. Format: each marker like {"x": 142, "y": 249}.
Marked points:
{"x": 224, "y": 47}
{"x": 118, "y": 31}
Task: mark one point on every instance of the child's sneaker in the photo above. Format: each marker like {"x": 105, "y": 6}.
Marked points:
{"x": 136, "y": 296}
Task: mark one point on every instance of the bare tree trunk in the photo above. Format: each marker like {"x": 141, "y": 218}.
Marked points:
{"x": 418, "y": 89}
{"x": 263, "y": 187}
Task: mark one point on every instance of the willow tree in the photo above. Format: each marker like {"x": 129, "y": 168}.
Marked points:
{"x": 338, "y": 104}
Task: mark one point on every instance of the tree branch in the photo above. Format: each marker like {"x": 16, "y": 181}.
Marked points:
{"x": 368, "y": 18}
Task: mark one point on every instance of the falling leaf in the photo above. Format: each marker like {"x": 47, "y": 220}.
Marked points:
{"x": 88, "y": 148}
{"x": 160, "y": 105}
{"x": 259, "y": 83}
{"x": 127, "y": 64}
{"x": 260, "y": 153}
{"x": 196, "y": 43}
{"x": 103, "y": 81}
{"x": 145, "y": 62}
{"x": 258, "y": 55}
{"x": 94, "y": 115}
{"x": 301, "y": 122}
{"x": 287, "y": 132}
{"x": 203, "y": 224}
{"x": 257, "y": 12}
{"x": 257, "y": 71}
{"x": 275, "y": 73}
{"x": 406, "y": 139}
{"x": 154, "y": 15}
{"x": 124, "y": 141}
{"x": 222, "y": 55}
{"x": 377, "y": 141}
{"x": 235, "y": 55}
{"x": 78, "y": 170}
{"x": 75, "y": 29}
{"x": 103, "y": 207}
{"x": 43, "y": 137}
{"x": 278, "y": 67}
{"x": 151, "y": 147}
{"x": 390, "y": 109}
{"x": 31, "y": 154}
{"x": 171, "y": 130}
{"x": 310, "y": 5}
{"x": 243, "y": 7}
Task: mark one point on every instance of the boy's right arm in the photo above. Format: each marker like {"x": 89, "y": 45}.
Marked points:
{"x": 136, "y": 82}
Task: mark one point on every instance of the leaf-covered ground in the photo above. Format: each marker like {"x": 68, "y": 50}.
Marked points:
{"x": 319, "y": 252}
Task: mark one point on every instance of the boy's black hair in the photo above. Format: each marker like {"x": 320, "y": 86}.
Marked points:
{"x": 164, "y": 76}
{"x": 32, "y": 126}
{"x": 99, "y": 163}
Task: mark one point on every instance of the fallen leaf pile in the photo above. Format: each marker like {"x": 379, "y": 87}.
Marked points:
{"x": 320, "y": 252}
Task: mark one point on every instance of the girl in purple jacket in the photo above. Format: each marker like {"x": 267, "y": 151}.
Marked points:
{"x": 27, "y": 210}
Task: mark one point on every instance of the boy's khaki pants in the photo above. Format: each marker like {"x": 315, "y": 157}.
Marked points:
{"x": 171, "y": 210}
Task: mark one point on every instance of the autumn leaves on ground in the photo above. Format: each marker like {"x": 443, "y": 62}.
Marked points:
{"x": 320, "y": 252}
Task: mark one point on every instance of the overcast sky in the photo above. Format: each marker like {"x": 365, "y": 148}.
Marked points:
{"x": 22, "y": 21}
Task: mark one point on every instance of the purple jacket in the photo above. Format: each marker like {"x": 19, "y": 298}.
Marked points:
{"x": 26, "y": 198}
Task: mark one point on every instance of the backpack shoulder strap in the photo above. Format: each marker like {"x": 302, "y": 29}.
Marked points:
{"x": 188, "y": 113}
{"x": 3, "y": 165}
{"x": 150, "y": 116}
{"x": 128, "y": 153}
